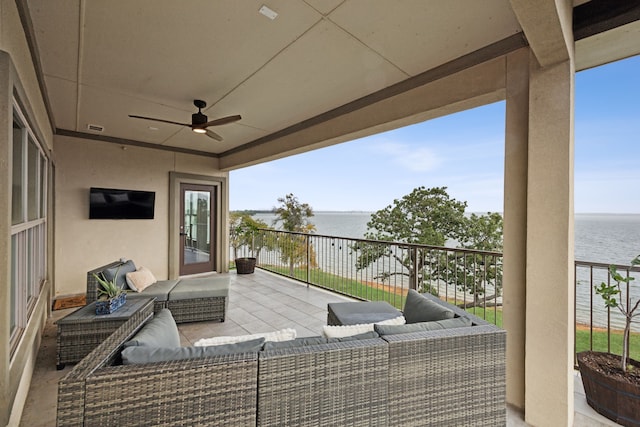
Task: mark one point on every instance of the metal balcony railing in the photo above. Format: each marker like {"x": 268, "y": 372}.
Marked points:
{"x": 384, "y": 271}
{"x": 376, "y": 270}
{"x": 599, "y": 328}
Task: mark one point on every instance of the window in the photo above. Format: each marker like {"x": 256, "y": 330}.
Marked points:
{"x": 29, "y": 224}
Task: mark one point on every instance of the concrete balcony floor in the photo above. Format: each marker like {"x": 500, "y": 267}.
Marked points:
{"x": 260, "y": 302}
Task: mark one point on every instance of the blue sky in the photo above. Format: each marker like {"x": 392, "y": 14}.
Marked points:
{"x": 464, "y": 152}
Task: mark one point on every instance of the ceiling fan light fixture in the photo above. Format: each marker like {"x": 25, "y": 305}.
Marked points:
{"x": 199, "y": 130}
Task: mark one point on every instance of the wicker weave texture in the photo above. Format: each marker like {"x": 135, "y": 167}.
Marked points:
{"x": 212, "y": 391}
{"x": 204, "y": 392}
{"x": 71, "y": 388}
{"x": 337, "y": 384}
{"x": 452, "y": 377}
{"x": 198, "y": 309}
{"x": 78, "y": 334}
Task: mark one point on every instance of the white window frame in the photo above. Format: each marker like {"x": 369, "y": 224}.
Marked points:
{"x": 28, "y": 237}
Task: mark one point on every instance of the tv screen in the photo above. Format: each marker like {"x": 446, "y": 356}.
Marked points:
{"x": 110, "y": 203}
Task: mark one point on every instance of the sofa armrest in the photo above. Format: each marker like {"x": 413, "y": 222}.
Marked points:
{"x": 450, "y": 366}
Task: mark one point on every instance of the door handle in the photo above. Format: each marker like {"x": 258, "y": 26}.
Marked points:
{"x": 183, "y": 234}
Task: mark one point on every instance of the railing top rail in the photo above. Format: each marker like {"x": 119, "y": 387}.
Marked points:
{"x": 389, "y": 242}
{"x": 605, "y": 265}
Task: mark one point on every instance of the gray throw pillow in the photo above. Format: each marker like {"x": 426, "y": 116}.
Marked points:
{"x": 298, "y": 342}
{"x": 141, "y": 355}
{"x": 121, "y": 279}
{"x": 456, "y": 322}
{"x": 159, "y": 332}
{"x": 418, "y": 308}
{"x": 364, "y": 336}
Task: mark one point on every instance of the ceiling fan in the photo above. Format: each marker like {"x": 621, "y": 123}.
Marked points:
{"x": 199, "y": 122}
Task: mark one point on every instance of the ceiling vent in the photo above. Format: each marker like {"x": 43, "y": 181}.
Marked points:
{"x": 95, "y": 128}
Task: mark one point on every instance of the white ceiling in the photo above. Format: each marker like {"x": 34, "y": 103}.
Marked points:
{"x": 104, "y": 60}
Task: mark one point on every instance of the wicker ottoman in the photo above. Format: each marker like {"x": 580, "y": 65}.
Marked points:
{"x": 198, "y": 300}
{"x": 354, "y": 313}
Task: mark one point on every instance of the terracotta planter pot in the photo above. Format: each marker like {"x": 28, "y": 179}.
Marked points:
{"x": 611, "y": 397}
{"x": 245, "y": 265}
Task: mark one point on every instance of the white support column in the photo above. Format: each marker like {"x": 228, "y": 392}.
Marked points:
{"x": 515, "y": 221}
{"x": 550, "y": 247}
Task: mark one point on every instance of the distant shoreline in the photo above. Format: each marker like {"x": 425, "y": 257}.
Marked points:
{"x": 269, "y": 211}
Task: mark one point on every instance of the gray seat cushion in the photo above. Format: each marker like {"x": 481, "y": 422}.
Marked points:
{"x": 160, "y": 331}
{"x": 355, "y": 313}
{"x": 419, "y": 308}
{"x": 160, "y": 290}
{"x": 141, "y": 355}
{"x": 119, "y": 273}
{"x": 456, "y": 322}
{"x": 205, "y": 287}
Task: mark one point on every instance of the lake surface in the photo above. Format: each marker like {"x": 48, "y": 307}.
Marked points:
{"x": 606, "y": 238}
{"x": 602, "y": 238}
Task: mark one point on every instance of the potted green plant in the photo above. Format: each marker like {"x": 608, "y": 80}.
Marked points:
{"x": 612, "y": 382}
{"x": 242, "y": 233}
{"x": 111, "y": 296}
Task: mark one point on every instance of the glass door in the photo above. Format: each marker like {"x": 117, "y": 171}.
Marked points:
{"x": 197, "y": 231}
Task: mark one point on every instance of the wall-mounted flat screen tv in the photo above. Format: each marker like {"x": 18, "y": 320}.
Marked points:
{"x": 111, "y": 203}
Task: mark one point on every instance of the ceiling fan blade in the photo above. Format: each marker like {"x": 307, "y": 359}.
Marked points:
{"x": 222, "y": 121}
{"x": 212, "y": 134}
{"x": 160, "y": 120}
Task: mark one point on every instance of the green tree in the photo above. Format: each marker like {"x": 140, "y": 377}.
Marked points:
{"x": 243, "y": 232}
{"x": 426, "y": 216}
{"x": 478, "y": 270}
{"x": 429, "y": 216}
{"x": 294, "y": 216}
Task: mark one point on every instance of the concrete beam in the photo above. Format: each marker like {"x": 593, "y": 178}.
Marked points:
{"x": 548, "y": 28}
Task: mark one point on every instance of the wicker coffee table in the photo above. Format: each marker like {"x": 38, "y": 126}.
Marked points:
{"x": 81, "y": 331}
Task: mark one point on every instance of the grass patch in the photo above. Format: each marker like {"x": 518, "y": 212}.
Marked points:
{"x": 600, "y": 342}
{"x": 342, "y": 285}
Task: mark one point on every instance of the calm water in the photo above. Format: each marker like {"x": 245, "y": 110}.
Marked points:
{"x": 603, "y": 238}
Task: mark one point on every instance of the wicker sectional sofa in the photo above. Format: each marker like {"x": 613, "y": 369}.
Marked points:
{"x": 445, "y": 377}
{"x": 190, "y": 300}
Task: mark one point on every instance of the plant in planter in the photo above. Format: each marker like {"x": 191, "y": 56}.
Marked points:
{"x": 243, "y": 233}
{"x": 111, "y": 296}
{"x": 611, "y": 382}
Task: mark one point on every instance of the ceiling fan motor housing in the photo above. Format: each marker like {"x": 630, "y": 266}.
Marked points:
{"x": 198, "y": 119}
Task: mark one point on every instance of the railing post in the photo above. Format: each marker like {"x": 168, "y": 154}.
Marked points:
{"x": 414, "y": 284}
{"x": 253, "y": 243}
{"x": 308, "y": 257}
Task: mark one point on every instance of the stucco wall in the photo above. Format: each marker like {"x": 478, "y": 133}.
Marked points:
{"x": 13, "y": 41}
{"x": 83, "y": 244}
{"x": 17, "y": 75}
